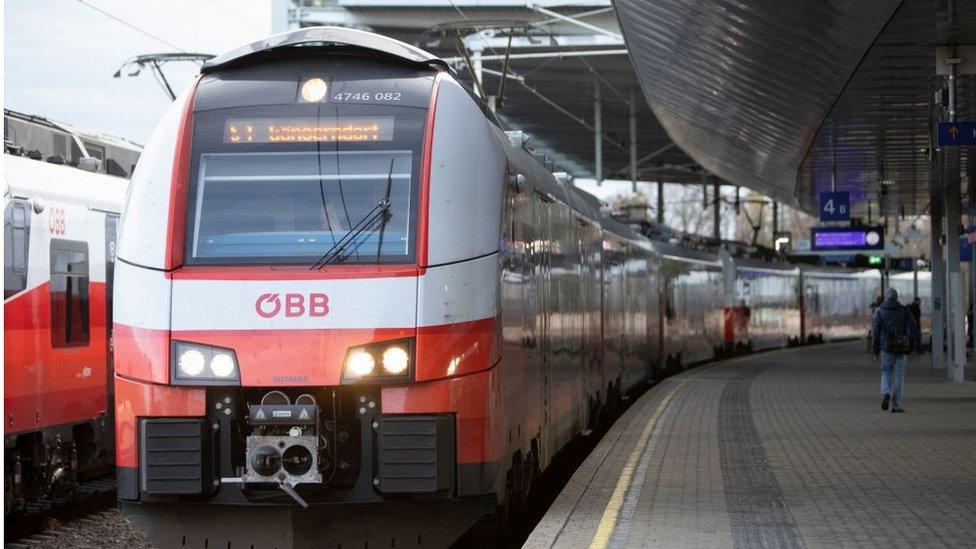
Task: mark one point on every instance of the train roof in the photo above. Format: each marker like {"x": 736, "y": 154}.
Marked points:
{"x": 30, "y": 179}
{"x": 681, "y": 252}
{"x": 326, "y": 37}
{"x": 100, "y": 138}
{"x": 753, "y": 263}
{"x": 828, "y": 270}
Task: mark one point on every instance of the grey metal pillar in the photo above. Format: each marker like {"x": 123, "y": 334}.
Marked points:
{"x": 705, "y": 178}
{"x": 938, "y": 272}
{"x": 914, "y": 279}
{"x": 970, "y": 167}
{"x": 955, "y": 298}
{"x": 476, "y": 67}
{"x": 597, "y": 134}
{"x": 775, "y": 220}
{"x": 660, "y": 200}
{"x": 717, "y": 212}
{"x": 633, "y": 142}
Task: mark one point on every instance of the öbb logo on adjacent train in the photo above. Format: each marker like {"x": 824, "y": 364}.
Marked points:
{"x": 269, "y": 305}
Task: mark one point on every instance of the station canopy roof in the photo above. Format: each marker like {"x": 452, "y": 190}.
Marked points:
{"x": 560, "y": 52}
{"x": 791, "y": 96}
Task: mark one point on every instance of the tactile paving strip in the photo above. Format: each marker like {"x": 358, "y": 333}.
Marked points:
{"x": 757, "y": 510}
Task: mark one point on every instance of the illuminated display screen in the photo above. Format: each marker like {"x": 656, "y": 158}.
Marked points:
{"x": 845, "y": 238}
{"x": 297, "y": 130}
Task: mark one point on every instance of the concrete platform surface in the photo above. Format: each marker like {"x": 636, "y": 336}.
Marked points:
{"x": 782, "y": 449}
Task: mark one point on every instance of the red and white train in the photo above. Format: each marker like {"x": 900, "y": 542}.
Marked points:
{"x": 60, "y": 225}
{"x": 341, "y": 281}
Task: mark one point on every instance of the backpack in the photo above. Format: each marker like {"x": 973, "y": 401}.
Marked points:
{"x": 897, "y": 341}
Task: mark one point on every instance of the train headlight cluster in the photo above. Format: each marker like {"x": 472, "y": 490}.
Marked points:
{"x": 195, "y": 364}
{"x": 385, "y": 361}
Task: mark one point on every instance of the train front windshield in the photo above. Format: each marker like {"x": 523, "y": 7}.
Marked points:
{"x": 288, "y": 183}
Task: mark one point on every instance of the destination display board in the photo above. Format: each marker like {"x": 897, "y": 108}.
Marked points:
{"x": 846, "y": 238}
{"x": 292, "y": 130}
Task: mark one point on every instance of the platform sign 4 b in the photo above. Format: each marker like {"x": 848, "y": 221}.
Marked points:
{"x": 835, "y": 206}
{"x": 954, "y": 134}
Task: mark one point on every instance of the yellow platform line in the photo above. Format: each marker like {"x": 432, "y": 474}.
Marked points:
{"x": 608, "y": 522}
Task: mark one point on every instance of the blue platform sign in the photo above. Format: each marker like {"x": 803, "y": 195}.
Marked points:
{"x": 835, "y": 206}
{"x": 955, "y": 134}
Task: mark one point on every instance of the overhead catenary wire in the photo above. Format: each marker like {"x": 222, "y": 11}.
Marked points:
{"x": 131, "y": 26}
{"x": 240, "y": 17}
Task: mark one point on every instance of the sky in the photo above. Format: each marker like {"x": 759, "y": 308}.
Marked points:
{"x": 60, "y": 55}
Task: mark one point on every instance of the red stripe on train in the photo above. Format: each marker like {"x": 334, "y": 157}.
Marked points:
{"x": 44, "y": 385}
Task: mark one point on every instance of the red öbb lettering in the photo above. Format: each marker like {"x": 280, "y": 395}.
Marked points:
{"x": 294, "y": 305}
{"x": 271, "y": 305}
{"x": 318, "y": 304}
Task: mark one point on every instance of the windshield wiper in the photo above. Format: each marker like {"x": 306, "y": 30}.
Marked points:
{"x": 380, "y": 212}
{"x": 386, "y": 213}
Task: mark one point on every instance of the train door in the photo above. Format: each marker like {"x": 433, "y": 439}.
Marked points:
{"x": 16, "y": 247}
{"x": 20, "y": 307}
{"x": 589, "y": 333}
{"x": 541, "y": 282}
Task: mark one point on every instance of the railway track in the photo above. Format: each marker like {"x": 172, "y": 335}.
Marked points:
{"x": 91, "y": 496}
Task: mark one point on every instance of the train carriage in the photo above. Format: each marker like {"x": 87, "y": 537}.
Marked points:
{"x": 60, "y": 226}
{"x": 764, "y": 312}
{"x": 837, "y": 301}
{"x": 693, "y": 289}
{"x": 360, "y": 289}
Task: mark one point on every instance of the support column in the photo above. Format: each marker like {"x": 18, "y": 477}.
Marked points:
{"x": 775, "y": 219}
{"x": 970, "y": 167}
{"x": 915, "y": 280}
{"x": 955, "y": 298}
{"x": 660, "y": 200}
{"x": 705, "y": 177}
{"x": 476, "y": 65}
{"x": 717, "y": 212}
{"x": 938, "y": 271}
{"x": 633, "y": 143}
{"x": 597, "y": 134}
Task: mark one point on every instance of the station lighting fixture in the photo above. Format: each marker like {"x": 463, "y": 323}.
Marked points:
{"x": 197, "y": 364}
{"x": 394, "y": 359}
{"x": 314, "y": 90}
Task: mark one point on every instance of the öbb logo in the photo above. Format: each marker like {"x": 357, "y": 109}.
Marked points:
{"x": 269, "y": 305}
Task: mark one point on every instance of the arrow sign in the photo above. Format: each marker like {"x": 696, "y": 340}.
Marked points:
{"x": 955, "y": 134}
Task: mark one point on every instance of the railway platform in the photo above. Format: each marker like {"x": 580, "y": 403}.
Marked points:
{"x": 782, "y": 449}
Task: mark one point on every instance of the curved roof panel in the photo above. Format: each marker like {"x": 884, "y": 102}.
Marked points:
{"x": 744, "y": 87}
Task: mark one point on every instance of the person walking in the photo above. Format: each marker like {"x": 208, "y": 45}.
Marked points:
{"x": 894, "y": 334}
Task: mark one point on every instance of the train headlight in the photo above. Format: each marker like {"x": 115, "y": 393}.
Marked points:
{"x": 222, "y": 365}
{"x": 360, "y": 363}
{"x": 191, "y": 363}
{"x": 385, "y": 361}
{"x": 395, "y": 360}
{"x": 314, "y": 89}
{"x": 196, "y": 364}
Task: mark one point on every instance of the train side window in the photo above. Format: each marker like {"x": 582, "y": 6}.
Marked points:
{"x": 69, "y": 294}
{"x": 16, "y": 242}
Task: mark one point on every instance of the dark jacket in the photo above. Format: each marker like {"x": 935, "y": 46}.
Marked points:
{"x": 892, "y": 316}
